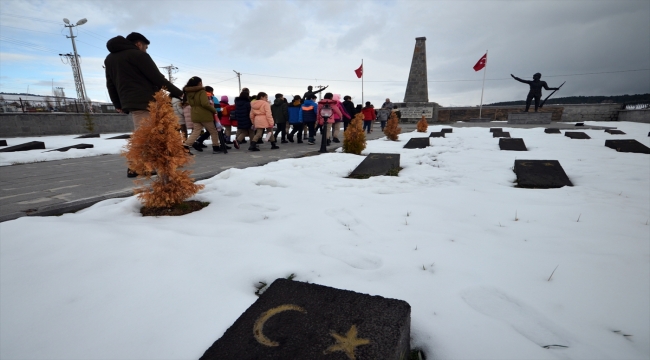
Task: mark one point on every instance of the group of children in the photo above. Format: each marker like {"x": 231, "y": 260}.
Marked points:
{"x": 252, "y": 116}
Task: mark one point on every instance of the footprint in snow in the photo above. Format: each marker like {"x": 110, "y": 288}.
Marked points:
{"x": 352, "y": 257}
{"x": 523, "y": 318}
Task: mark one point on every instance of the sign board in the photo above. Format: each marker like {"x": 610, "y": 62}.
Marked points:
{"x": 416, "y": 112}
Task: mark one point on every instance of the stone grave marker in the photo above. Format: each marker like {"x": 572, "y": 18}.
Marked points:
{"x": 296, "y": 320}
{"x": 614, "y": 132}
{"x": 580, "y": 124}
{"x": 632, "y": 146}
{"x": 552, "y": 131}
{"x": 447, "y": 130}
{"x": 376, "y": 164}
{"x": 501, "y": 134}
{"x": 515, "y": 144}
{"x": 530, "y": 118}
{"x": 437, "y": 134}
{"x": 77, "y": 146}
{"x": 417, "y": 143}
{"x": 576, "y": 135}
{"x": 540, "y": 174}
{"x": 87, "y": 136}
{"x": 32, "y": 145}
{"x": 3, "y": 142}
{"x": 125, "y": 136}
{"x": 496, "y": 130}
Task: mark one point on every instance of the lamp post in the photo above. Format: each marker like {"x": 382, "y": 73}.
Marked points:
{"x": 325, "y": 112}
{"x": 76, "y": 65}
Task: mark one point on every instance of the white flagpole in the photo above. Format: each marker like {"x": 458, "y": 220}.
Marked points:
{"x": 480, "y": 109}
{"x": 362, "y": 73}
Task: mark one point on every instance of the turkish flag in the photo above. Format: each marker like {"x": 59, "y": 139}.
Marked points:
{"x": 359, "y": 71}
{"x": 481, "y": 63}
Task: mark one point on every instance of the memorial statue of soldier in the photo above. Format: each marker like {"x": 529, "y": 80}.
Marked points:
{"x": 535, "y": 89}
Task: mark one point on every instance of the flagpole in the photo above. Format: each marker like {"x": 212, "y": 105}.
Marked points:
{"x": 362, "y": 71}
{"x": 480, "y": 109}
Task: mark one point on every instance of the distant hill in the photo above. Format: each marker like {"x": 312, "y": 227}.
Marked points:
{"x": 620, "y": 99}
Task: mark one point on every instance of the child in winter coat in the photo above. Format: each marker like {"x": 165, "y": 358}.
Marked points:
{"x": 177, "y": 105}
{"x": 295, "y": 119}
{"x": 309, "y": 111}
{"x": 336, "y": 113}
{"x": 262, "y": 118}
{"x": 280, "y": 112}
{"x": 368, "y": 116}
{"x": 226, "y": 122}
{"x": 337, "y": 120}
{"x": 242, "y": 115}
{"x": 202, "y": 114}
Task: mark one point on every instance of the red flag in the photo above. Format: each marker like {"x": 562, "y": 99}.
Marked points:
{"x": 359, "y": 71}
{"x": 481, "y": 63}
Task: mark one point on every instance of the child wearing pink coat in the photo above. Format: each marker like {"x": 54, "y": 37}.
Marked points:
{"x": 262, "y": 119}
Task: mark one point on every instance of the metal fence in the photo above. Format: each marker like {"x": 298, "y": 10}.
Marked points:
{"x": 18, "y": 104}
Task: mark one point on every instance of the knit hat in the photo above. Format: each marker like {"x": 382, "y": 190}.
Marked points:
{"x": 224, "y": 98}
{"x": 134, "y": 37}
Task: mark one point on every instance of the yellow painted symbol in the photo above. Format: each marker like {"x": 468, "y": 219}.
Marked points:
{"x": 348, "y": 343}
{"x": 259, "y": 324}
{"x": 548, "y": 164}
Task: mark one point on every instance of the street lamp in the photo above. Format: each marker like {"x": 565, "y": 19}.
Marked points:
{"x": 325, "y": 112}
{"x": 76, "y": 65}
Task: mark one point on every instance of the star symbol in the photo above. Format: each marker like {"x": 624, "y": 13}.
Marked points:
{"x": 347, "y": 343}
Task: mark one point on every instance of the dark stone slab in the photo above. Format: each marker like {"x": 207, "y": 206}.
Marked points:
{"x": 32, "y": 145}
{"x": 501, "y": 134}
{"x": 496, "y": 130}
{"x": 77, "y": 146}
{"x": 296, "y": 320}
{"x": 447, "y": 130}
{"x": 376, "y": 164}
{"x": 125, "y": 136}
{"x": 3, "y": 142}
{"x": 632, "y": 146}
{"x": 576, "y": 135}
{"x": 87, "y": 136}
{"x": 580, "y": 124}
{"x": 437, "y": 134}
{"x": 417, "y": 143}
{"x": 512, "y": 144}
{"x": 552, "y": 131}
{"x": 540, "y": 174}
{"x": 614, "y": 132}
{"x": 530, "y": 118}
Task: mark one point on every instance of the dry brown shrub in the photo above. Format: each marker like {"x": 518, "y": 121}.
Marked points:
{"x": 392, "y": 130}
{"x": 355, "y": 138}
{"x": 157, "y": 145}
{"x": 422, "y": 125}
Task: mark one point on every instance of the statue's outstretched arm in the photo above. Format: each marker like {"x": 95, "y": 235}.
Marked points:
{"x": 520, "y": 80}
{"x": 546, "y": 86}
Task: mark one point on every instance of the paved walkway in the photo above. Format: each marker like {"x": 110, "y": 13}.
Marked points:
{"x": 62, "y": 186}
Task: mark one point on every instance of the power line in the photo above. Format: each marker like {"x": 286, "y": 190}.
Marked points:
{"x": 43, "y": 32}
{"x": 30, "y": 18}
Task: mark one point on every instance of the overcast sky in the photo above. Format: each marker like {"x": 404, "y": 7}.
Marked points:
{"x": 284, "y": 46}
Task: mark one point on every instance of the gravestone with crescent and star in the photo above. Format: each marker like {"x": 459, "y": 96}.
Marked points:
{"x": 296, "y": 320}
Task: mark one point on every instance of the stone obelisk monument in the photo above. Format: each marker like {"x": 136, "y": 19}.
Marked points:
{"x": 416, "y": 100}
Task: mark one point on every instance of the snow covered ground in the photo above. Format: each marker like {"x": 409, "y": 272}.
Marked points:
{"x": 102, "y": 146}
{"x": 450, "y": 235}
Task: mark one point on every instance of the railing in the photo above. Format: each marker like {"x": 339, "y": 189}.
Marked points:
{"x": 22, "y": 105}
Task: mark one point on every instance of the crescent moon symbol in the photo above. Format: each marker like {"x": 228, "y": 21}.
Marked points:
{"x": 259, "y": 324}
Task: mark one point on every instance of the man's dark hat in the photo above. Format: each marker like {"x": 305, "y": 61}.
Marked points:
{"x": 134, "y": 37}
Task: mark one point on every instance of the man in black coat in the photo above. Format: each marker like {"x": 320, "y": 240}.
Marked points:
{"x": 132, "y": 78}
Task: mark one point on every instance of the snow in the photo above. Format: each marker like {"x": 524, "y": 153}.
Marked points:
{"x": 450, "y": 235}
{"x": 102, "y": 146}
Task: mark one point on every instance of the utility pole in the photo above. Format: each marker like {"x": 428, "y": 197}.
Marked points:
{"x": 171, "y": 69}
{"x": 73, "y": 59}
{"x": 239, "y": 78}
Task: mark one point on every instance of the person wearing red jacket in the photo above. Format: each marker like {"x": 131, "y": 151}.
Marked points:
{"x": 336, "y": 114}
{"x": 226, "y": 120}
{"x": 369, "y": 115}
